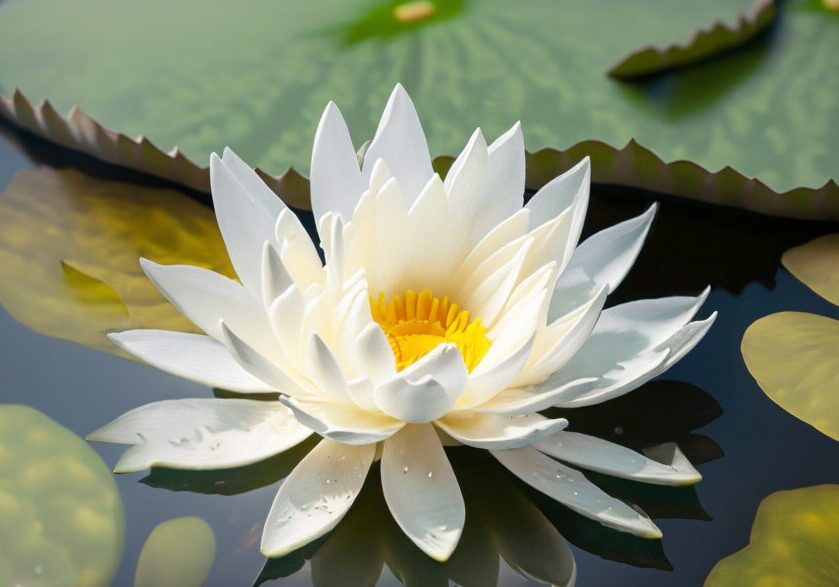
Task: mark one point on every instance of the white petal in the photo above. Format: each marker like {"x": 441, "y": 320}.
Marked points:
{"x": 493, "y": 432}
{"x": 506, "y": 232}
{"x": 573, "y": 490}
{"x": 202, "y": 434}
{"x": 275, "y": 278}
{"x": 324, "y": 369}
{"x": 372, "y": 354}
{"x": 466, "y": 174}
{"x": 556, "y": 196}
{"x": 336, "y": 180}
{"x": 422, "y": 492}
{"x": 345, "y": 423}
{"x": 245, "y": 222}
{"x": 503, "y": 182}
{"x": 297, "y": 250}
{"x": 205, "y": 297}
{"x": 258, "y": 190}
{"x": 425, "y": 390}
{"x": 602, "y": 456}
{"x": 400, "y": 141}
{"x": 192, "y": 356}
{"x": 259, "y": 366}
{"x": 606, "y": 257}
{"x": 497, "y": 374}
{"x": 285, "y": 317}
{"x": 315, "y": 496}
{"x": 556, "y": 344}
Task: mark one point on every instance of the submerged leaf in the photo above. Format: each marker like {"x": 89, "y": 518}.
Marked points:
{"x": 69, "y": 250}
{"x": 816, "y": 264}
{"x": 748, "y": 130}
{"x": 794, "y": 541}
{"x": 61, "y": 517}
{"x": 792, "y": 355}
{"x": 178, "y": 553}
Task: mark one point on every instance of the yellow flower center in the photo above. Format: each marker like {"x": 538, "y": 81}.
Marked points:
{"x": 417, "y": 322}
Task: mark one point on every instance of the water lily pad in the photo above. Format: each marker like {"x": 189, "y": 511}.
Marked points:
{"x": 178, "y": 553}
{"x": 792, "y": 355}
{"x": 704, "y": 43}
{"x": 61, "y": 517}
{"x": 794, "y": 541}
{"x": 816, "y": 264}
{"x": 201, "y": 75}
{"x": 69, "y": 250}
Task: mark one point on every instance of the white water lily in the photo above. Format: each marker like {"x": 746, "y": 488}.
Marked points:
{"x": 446, "y": 312}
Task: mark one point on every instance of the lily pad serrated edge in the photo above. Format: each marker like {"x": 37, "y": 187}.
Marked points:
{"x": 633, "y": 165}
{"x": 706, "y": 42}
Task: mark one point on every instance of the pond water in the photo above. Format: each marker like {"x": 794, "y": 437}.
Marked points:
{"x": 746, "y": 447}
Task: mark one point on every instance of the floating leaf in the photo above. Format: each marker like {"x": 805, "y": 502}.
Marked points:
{"x": 61, "y": 517}
{"x": 794, "y": 541}
{"x": 69, "y": 250}
{"x": 792, "y": 355}
{"x": 751, "y": 129}
{"x": 178, "y": 553}
{"x": 706, "y": 42}
{"x": 816, "y": 264}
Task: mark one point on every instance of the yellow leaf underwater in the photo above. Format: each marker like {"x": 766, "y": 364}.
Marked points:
{"x": 793, "y": 357}
{"x": 794, "y": 542}
{"x": 816, "y": 264}
{"x": 61, "y": 516}
{"x": 70, "y": 246}
{"x": 178, "y": 553}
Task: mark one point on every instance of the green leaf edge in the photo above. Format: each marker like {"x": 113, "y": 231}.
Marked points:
{"x": 707, "y": 42}
{"x": 633, "y": 165}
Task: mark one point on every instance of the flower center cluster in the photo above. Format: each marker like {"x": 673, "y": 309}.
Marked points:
{"x": 417, "y": 322}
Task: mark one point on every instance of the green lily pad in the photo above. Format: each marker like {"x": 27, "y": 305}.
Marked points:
{"x": 704, "y": 43}
{"x": 178, "y": 553}
{"x": 69, "y": 250}
{"x": 205, "y": 74}
{"x": 61, "y": 517}
{"x": 794, "y": 541}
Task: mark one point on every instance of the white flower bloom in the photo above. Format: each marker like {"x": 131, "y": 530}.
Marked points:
{"x": 446, "y": 310}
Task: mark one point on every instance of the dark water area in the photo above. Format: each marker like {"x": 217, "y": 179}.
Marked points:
{"x": 745, "y": 446}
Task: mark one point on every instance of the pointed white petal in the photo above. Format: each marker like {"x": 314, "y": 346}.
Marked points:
{"x": 344, "y": 423}
{"x": 602, "y": 456}
{"x": 275, "y": 278}
{"x": 572, "y": 489}
{"x": 506, "y": 232}
{"x": 372, "y": 354}
{"x": 202, "y": 434}
{"x": 569, "y": 189}
{"x": 258, "y": 190}
{"x": 192, "y": 356}
{"x": 297, "y": 251}
{"x": 261, "y": 367}
{"x": 244, "y": 221}
{"x": 315, "y": 496}
{"x": 556, "y": 344}
{"x": 422, "y": 492}
{"x": 336, "y": 180}
{"x": 400, "y": 141}
{"x": 494, "y": 432}
{"x": 205, "y": 297}
{"x": 425, "y": 390}
{"x": 503, "y": 182}
{"x": 324, "y": 369}
{"x": 497, "y": 374}
{"x": 606, "y": 257}
{"x": 464, "y": 180}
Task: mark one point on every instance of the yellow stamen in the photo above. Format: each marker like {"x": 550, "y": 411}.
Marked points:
{"x": 417, "y": 322}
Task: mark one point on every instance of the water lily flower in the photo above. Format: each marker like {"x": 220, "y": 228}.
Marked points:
{"x": 447, "y": 312}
